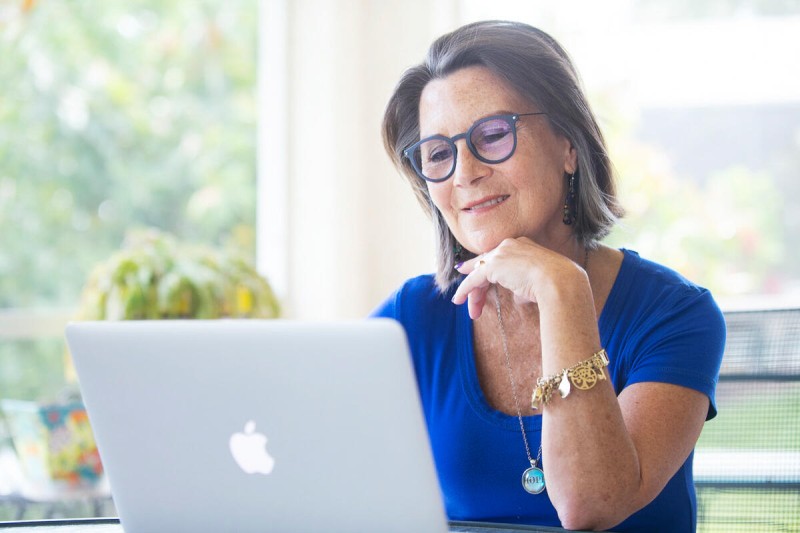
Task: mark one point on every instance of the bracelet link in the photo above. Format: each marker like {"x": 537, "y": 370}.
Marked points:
{"x": 583, "y": 375}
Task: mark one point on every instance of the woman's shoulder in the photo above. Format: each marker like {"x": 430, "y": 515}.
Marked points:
{"x": 416, "y": 296}
{"x": 423, "y": 285}
{"x": 640, "y": 274}
{"x": 423, "y": 290}
{"x": 646, "y": 288}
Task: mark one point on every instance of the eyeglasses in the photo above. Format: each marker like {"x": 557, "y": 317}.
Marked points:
{"x": 491, "y": 140}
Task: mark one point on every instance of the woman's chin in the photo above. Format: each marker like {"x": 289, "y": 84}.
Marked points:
{"x": 483, "y": 245}
{"x": 480, "y": 242}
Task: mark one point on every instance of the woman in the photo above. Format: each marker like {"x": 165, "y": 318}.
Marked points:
{"x": 538, "y": 411}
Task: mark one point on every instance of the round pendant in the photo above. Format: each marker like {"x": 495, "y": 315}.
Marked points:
{"x": 533, "y": 480}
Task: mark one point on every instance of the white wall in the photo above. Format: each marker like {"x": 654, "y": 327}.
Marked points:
{"x": 339, "y": 228}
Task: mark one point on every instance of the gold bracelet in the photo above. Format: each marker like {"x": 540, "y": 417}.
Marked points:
{"x": 583, "y": 375}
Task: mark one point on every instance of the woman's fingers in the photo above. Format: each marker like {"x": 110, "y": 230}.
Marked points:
{"x": 475, "y": 269}
{"x": 467, "y": 267}
{"x": 475, "y": 286}
{"x": 476, "y": 301}
{"x": 512, "y": 265}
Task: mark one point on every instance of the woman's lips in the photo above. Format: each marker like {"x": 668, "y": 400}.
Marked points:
{"x": 486, "y": 203}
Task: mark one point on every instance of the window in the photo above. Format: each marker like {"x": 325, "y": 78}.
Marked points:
{"x": 121, "y": 116}
{"x": 702, "y": 117}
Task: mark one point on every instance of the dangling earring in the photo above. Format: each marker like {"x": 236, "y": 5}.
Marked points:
{"x": 457, "y": 251}
{"x": 569, "y": 202}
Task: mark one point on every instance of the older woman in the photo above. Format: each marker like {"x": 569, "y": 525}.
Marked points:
{"x": 539, "y": 411}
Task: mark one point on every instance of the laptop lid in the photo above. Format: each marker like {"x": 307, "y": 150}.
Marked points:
{"x": 258, "y": 425}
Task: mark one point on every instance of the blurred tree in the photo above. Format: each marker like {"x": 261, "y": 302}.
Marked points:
{"x": 715, "y": 234}
{"x": 116, "y": 115}
{"x": 139, "y": 113}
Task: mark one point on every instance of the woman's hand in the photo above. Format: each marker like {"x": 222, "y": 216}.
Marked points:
{"x": 530, "y": 271}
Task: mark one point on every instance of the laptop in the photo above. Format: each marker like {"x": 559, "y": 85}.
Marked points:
{"x": 259, "y": 425}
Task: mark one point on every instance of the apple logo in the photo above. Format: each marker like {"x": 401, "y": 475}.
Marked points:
{"x": 250, "y": 452}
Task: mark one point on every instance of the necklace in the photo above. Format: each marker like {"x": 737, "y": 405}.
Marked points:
{"x": 533, "y": 477}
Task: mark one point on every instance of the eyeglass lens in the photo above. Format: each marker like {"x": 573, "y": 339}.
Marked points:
{"x": 490, "y": 141}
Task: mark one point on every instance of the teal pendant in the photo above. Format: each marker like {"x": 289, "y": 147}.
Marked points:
{"x": 533, "y": 480}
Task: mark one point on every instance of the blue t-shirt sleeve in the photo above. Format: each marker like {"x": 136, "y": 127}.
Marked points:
{"x": 684, "y": 347}
{"x": 664, "y": 329}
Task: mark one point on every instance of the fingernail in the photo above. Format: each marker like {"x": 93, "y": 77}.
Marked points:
{"x": 458, "y": 265}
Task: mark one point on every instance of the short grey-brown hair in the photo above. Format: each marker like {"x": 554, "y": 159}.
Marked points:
{"x": 538, "y": 68}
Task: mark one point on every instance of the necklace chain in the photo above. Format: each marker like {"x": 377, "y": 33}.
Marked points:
{"x": 513, "y": 382}
{"x": 504, "y": 337}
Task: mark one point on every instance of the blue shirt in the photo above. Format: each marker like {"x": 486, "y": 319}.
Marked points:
{"x": 655, "y": 326}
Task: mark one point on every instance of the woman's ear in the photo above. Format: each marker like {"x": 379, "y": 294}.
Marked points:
{"x": 571, "y": 159}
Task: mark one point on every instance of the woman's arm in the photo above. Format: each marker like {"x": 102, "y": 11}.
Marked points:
{"x": 606, "y": 456}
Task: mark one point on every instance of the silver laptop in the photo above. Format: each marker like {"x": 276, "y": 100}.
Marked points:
{"x": 250, "y": 425}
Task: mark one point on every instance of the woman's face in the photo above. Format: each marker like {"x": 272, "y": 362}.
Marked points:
{"x": 486, "y": 203}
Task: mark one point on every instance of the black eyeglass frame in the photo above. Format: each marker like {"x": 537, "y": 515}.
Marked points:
{"x": 511, "y": 119}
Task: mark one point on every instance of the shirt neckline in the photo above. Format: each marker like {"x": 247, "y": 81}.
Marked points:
{"x": 472, "y": 388}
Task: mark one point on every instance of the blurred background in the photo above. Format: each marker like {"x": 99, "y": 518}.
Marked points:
{"x": 253, "y": 129}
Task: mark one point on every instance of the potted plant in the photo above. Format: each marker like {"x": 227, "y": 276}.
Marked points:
{"x": 153, "y": 276}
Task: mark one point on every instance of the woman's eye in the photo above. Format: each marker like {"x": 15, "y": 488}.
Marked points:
{"x": 439, "y": 153}
{"x": 494, "y": 137}
{"x": 490, "y": 134}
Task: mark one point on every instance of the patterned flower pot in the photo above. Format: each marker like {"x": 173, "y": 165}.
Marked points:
{"x": 54, "y": 442}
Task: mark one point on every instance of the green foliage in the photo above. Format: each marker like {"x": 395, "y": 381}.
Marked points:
{"x": 713, "y": 233}
{"x": 121, "y": 114}
{"x": 765, "y": 415}
{"x": 157, "y": 277}
{"x": 748, "y": 510}
{"x": 31, "y": 369}
{"x": 116, "y": 115}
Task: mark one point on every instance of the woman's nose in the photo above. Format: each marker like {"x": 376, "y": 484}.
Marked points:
{"x": 469, "y": 168}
